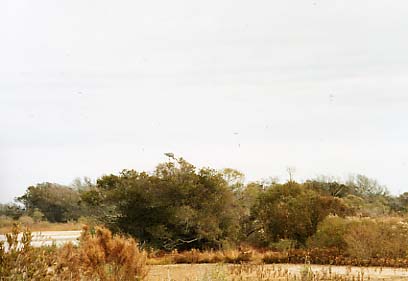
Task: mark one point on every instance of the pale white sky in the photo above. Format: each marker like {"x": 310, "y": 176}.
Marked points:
{"x": 93, "y": 87}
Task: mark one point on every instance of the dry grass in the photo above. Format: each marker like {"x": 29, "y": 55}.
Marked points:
{"x": 250, "y": 272}
{"x": 102, "y": 256}
{"x": 6, "y": 226}
{"x": 20, "y": 261}
{"x": 99, "y": 256}
{"x": 196, "y": 256}
{"x": 296, "y": 256}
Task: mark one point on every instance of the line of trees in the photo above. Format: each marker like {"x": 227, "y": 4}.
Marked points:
{"x": 178, "y": 206}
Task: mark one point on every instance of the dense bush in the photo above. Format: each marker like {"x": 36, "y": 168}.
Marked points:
{"x": 330, "y": 234}
{"x": 11, "y": 210}
{"x": 363, "y": 238}
{"x": 386, "y": 238}
{"x": 26, "y": 221}
{"x": 175, "y": 207}
{"x": 293, "y": 211}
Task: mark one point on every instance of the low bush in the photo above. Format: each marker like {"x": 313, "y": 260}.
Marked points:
{"x": 363, "y": 238}
{"x": 330, "y": 234}
{"x": 99, "y": 256}
{"x": 195, "y": 256}
{"x": 26, "y": 221}
{"x": 386, "y": 238}
{"x": 102, "y": 256}
{"x": 20, "y": 261}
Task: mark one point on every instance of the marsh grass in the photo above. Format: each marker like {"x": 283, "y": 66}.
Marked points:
{"x": 99, "y": 256}
{"x": 197, "y": 257}
{"x": 251, "y": 272}
{"x": 6, "y": 225}
{"x": 20, "y": 261}
{"x": 296, "y": 256}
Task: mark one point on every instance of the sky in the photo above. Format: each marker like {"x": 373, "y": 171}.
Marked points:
{"x": 93, "y": 87}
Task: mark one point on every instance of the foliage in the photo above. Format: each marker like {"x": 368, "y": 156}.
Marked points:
{"x": 363, "y": 238}
{"x": 13, "y": 211}
{"x": 330, "y": 234}
{"x": 178, "y": 206}
{"x": 99, "y": 256}
{"x": 175, "y": 207}
{"x": 26, "y": 221}
{"x": 58, "y": 203}
{"x": 292, "y": 211}
{"x": 37, "y": 215}
{"x": 369, "y": 238}
{"x": 20, "y": 261}
{"x": 102, "y": 256}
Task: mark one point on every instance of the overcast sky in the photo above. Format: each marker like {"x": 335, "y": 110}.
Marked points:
{"x": 92, "y": 87}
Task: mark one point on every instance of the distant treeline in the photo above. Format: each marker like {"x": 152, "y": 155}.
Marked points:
{"x": 178, "y": 206}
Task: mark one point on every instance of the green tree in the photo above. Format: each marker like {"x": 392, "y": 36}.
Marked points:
{"x": 13, "y": 211}
{"x": 292, "y": 211}
{"x": 176, "y": 206}
{"x": 58, "y": 203}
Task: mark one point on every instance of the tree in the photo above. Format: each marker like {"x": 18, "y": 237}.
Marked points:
{"x": 329, "y": 188}
{"x": 176, "y": 206}
{"x": 13, "y": 211}
{"x": 364, "y": 186}
{"x": 58, "y": 203}
{"x": 234, "y": 178}
{"x": 292, "y": 211}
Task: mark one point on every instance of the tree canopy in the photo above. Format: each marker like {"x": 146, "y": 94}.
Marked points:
{"x": 179, "y": 206}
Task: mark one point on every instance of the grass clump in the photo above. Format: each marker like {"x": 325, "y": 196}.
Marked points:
{"x": 20, "y": 261}
{"x": 100, "y": 256}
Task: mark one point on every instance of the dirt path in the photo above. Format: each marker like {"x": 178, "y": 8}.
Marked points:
{"x": 186, "y": 272}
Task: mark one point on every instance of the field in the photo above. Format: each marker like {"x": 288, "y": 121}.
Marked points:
{"x": 190, "y": 272}
{"x": 6, "y": 226}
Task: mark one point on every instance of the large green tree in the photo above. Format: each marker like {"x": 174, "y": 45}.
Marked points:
{"x": 176, "y": 206}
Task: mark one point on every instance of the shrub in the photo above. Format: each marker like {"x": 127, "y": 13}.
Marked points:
{"x": 284, "y": 245}
{"x": 26, "y": 221}
{"x": 377, "y": 238}
{"x": 20, "y": 261}
{"x": 330, "y": 234}
{"x": 102, "y": 256}
{"x": 90, "y": 221}
{"x": 37, "y": 215}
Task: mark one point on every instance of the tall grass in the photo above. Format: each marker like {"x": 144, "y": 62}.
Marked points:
{"x": 6, "y": 225}
{"x": 251, "y": 272}
{"x": 20, "y": 261}
{"x": 102, "y": 256}
{"x": 99, "y": 256}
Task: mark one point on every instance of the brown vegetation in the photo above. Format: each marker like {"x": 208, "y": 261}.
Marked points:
{"x": 99, "y": 256}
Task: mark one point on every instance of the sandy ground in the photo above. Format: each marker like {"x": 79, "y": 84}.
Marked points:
{"x": 206, "y": 271}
